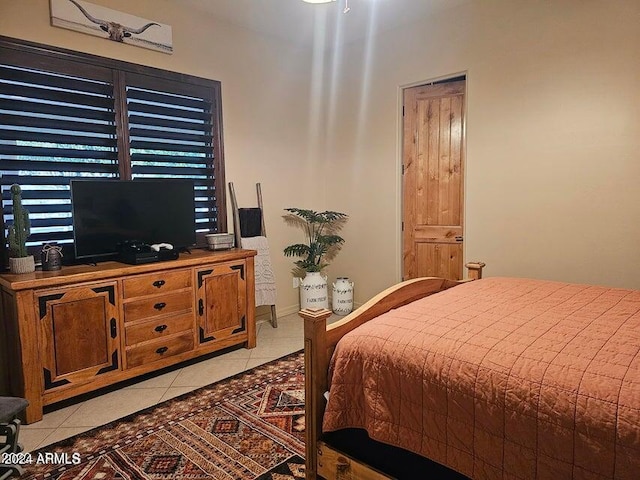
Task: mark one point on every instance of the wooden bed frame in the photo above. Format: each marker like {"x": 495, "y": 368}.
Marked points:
{"x": 320, "y": 341}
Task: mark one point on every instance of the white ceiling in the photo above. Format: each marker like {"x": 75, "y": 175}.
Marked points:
{"x": 296, "y": 21}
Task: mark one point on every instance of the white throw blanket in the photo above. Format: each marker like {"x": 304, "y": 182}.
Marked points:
{"x": 265, "y": 279}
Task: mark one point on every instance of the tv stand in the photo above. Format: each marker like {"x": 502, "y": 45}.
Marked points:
{"x": 84, "y": 327}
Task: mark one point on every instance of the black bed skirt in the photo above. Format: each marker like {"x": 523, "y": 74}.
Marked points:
{"x": 393, "y": 461}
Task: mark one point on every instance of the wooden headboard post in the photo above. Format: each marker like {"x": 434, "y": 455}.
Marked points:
{"x": 475, "y": 270}
{"x": 316, "y": 366}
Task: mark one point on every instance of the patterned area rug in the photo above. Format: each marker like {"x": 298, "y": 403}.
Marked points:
{"x": 249, "y": 426}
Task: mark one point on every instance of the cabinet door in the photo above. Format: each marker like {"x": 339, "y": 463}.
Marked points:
{"x": 221, "y": 301}
{"x": 79, "y": 337}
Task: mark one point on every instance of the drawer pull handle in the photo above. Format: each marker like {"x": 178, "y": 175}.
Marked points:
{"x": 161, "y": 350}
{"x": 158, "y": 283}
{"x": 159, "y": 306}
{"x": 160, "y": 328}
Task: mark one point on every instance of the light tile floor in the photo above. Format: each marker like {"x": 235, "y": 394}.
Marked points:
{"x": 57, "y": 425}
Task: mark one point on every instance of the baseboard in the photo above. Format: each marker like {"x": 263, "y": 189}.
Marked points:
{"x": 263, "y": 314}
{"x": 284, "y": 311}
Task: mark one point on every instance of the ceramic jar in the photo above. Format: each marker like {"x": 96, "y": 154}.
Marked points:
{"x": 313, "y": 291}
{"x": 342, "y": 299}
{"x": 51, "y": 257}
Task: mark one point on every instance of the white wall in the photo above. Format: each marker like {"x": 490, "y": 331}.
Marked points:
{"x": 553, "y": 139}
{"x": 553, "y": 128}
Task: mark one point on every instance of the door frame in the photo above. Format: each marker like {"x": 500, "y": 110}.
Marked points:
{"x": 399, "y": 162}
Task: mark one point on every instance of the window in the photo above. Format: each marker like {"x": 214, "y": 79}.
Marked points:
{"x": 66, "y": 115}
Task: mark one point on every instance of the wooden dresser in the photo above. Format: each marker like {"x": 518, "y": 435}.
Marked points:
{"x": 85, "y": 327}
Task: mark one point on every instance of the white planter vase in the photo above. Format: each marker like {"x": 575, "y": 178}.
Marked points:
{"x": 342, "y": 296}
{"x": 313, "y": 291}
{"x": 22, "y": 264}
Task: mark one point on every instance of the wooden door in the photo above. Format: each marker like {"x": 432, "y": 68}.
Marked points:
{"x": 222, "y": 303}
{"x": 433, "y": 161}
{"x": 79, "y": 334}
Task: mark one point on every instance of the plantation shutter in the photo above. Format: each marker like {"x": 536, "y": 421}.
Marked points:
{"x": 65, "y": 115}
{"x": 56, "y": 123}
{"x": 174, "y": 133}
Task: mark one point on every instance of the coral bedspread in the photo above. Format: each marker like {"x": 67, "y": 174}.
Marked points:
{"x": 500, "y": 378}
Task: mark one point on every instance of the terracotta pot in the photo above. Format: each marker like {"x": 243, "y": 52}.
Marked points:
{"x": 22, "y": 264}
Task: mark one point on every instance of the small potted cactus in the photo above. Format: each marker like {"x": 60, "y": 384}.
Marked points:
{"x": 19, "y": 259}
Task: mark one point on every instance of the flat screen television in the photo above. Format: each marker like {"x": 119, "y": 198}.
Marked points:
{"x": 109, "y": 212}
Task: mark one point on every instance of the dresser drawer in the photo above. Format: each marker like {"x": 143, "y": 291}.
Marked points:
{"x": 158, "y": 328}
{"x": 158, "y": 305}
{"x": 153, "y": 283}
{"x": 163, "y": 348}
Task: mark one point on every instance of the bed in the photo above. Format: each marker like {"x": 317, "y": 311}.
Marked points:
{"x": 496, "y": 378}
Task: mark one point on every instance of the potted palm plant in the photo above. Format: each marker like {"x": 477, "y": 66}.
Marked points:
{"x": 19, "y": 259}
{"x": 322, "y": 244}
